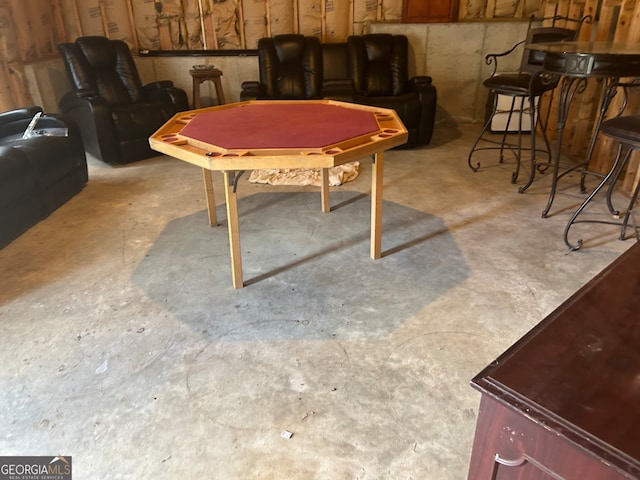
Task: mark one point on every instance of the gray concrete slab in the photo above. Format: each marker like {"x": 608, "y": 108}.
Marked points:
{"x": 124, "y": 345}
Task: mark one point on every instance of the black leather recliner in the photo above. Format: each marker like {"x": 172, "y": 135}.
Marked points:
{"x": 368, "y": 69}
{"x": 290, "y": 69}
{"x": 378, "y": 66}
{"x": 38, "y": 173}
{"x": 115, "y": 112}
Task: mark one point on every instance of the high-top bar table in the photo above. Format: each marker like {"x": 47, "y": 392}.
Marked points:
{"x": 576, "y": 62}
{"x": 563, "y": 403}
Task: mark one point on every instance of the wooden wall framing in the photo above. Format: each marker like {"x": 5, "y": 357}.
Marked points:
{"x": 30, "y": 31}
{"x": 615, "y": 20}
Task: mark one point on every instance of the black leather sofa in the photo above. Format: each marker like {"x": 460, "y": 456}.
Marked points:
{"x": 37, "y": 174}
{"x": 115, "y": 112}
{"x": 367, "y": 69}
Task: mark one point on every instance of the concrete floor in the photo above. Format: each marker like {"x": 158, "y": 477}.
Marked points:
{"x": 124, "y": 345}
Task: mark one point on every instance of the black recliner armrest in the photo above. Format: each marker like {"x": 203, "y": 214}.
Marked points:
{"x": 93, "y": 115}
{"x": 428, "y": 96}
{"x": 251, "y": 84}
{"x": 169, "y": 94}
{"x": 158, "y": 85}
{"x": 417, "y": 82}
{"x": 81, "y": 93}
{"x": 55, "y": 120}
{"x": 339, "y": 89}
{"x": 251, "y": 90}
{"x": 13, "y": 123}
{"x": 19, "y": 114}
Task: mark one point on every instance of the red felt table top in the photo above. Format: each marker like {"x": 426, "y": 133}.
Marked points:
{"x": 280, "y": 125}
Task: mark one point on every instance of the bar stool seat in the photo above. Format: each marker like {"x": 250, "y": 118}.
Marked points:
{"x": 625, "y": 129}
{"x": 520, "y": 84}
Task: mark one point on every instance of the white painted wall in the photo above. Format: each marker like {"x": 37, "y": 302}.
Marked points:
{"x": 451, "y": 53}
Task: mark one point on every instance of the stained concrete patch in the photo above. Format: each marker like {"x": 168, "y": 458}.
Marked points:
{"x": 316, "y": 278}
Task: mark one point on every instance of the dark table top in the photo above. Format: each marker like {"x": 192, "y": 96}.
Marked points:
{"x": 590, "y": 59}
{"x": 578, "y": 371}
{"x": 588, "y": 48}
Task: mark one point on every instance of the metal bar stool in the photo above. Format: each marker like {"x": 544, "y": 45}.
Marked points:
{"x": 624, "y": 129}
{"x": 524, "y": 88}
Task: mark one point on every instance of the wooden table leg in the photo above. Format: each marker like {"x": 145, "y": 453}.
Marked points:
{"x": 376, "y": 205}
{"x": 324, "y": 189}
{"x": 207, "y": 177}
{"x": 234, "y": 229}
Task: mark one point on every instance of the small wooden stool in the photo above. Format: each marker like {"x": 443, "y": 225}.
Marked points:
{"x": 200, "y": 75}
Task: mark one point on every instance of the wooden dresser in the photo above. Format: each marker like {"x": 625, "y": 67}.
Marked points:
{"x": 564, "y": 401}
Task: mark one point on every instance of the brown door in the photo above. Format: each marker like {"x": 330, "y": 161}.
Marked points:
{"x": 429, "y": 11}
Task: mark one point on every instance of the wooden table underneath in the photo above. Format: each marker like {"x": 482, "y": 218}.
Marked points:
{"x": 564, "y": 401}
{"x": 307, "y": 134}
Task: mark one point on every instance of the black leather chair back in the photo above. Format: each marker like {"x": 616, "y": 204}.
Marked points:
{"x": 368, "y": 70}
{"x": 104, "y": 66}
{"x": 115, "y": 112}
{"x": 291, "y": 66}
{"x": 335, "y": 61}
{"x": 378, "y": 64}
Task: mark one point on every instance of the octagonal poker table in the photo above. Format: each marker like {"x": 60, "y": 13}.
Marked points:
{"x": 257, "y": 134}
